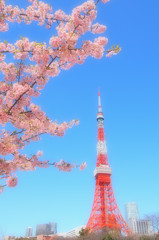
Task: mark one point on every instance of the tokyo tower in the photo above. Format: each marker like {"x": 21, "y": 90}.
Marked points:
{"x": 105, "y": 211}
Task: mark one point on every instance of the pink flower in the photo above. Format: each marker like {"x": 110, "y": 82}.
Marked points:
{"x": 55, "y": 42}
{"x": 12, "y": 181}
{"x": 112, "y": 52}
{"x": 39, "y": 153}
{"x": 83, "y": 166}
{"x": 105, "y": 1}
{"x": 102, "y": 41}
{"x": 64, "y": 166}
{"x": 76, "y": 122}
{"x": 1, "y": 189}
{"x": 98, "y": 28}
{"x": 59, "y": 14}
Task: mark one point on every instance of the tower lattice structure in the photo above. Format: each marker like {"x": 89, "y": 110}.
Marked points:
{"x": 105, "y": 211}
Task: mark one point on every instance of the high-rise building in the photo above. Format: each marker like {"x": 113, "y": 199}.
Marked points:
{"x": 46, "y": 229}
{"x": 138, "y": 226}
{"x": 131, "y": 211}
{"x": 141, "y": 227}
{"x": 29, "y": 232}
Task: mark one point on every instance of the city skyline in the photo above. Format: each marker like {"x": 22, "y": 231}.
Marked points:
{"x": 129, "y": 89}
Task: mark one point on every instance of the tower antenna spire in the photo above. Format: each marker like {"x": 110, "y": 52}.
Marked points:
{"x": 100, "y": 116}
{"x": 99, "y": 101}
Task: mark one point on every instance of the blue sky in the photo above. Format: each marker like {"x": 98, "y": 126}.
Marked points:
{"x": 129, "y": 84}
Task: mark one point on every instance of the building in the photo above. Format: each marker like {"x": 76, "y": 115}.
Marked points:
{"x": 9, "y": 237}
{"x": 138, "y": 226}
{"x": 46, "y": 229}
{"x": 131, "y": 211}
{"x": 46, "y": 237}
{"x": 72, "y": 233}
{"x": 29, "y": 232}
{"x": 141, "y": 227}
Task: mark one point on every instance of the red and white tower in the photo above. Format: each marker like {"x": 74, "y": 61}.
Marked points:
{"x": 105, "y": 211}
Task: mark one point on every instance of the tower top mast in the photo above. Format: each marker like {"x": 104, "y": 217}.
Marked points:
{"x": 99, "y": 102}
{"x": 100, "y": 116}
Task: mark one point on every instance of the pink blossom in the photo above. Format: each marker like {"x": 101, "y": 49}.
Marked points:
{"x": 39, "y": 153}
{"x": 83, "y": 166}
{"x": 1, "y": 189}
{"x": 76, "y": 122}
{"x": 109, "y": 54}
{"x": 105, "y": 1}
{"x": 55, "y": 42}
{"x": 59, "y": 14}
{"x": 113, "y": 51}
{"x": 64, "y": 166}
{"x": 98, "y": 28}
{"x": 12, "y": 181}
{"x": 102, "y": 41}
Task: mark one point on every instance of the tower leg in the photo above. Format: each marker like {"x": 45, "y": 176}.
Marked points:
{"x": 105, "y": 212}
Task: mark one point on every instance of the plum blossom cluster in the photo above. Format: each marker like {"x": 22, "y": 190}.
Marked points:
{"x": 38, "y": 11}
{"x": 67, "y": 167}
{"x": 31, "y": 67}
{"x": 12, "y": 181}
